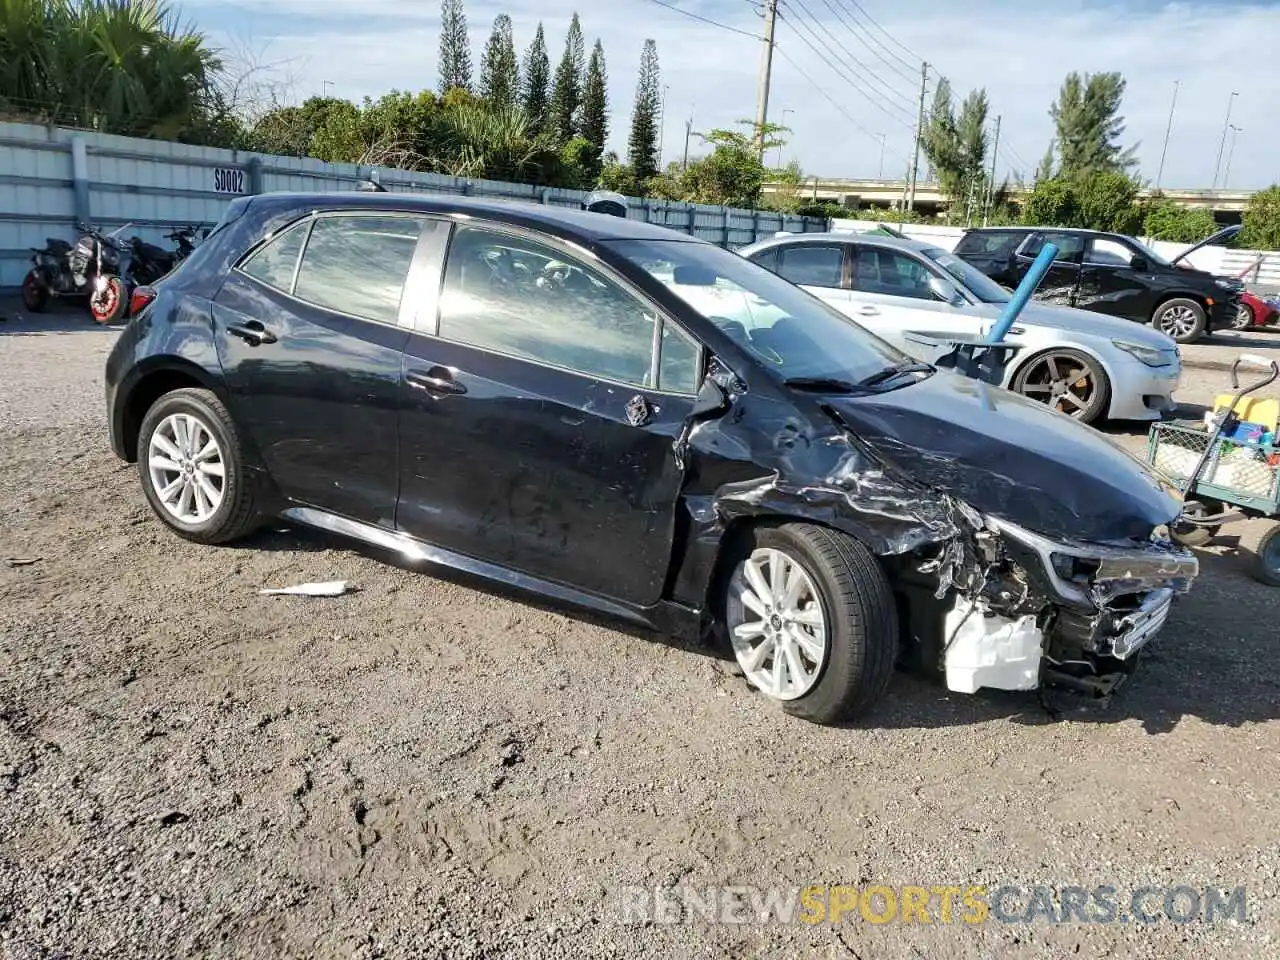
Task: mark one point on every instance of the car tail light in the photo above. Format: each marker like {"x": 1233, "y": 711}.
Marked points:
{"x": 142, "y": 296}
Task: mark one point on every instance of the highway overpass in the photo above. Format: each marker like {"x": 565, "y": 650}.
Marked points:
{"x": 1227, "y": 205}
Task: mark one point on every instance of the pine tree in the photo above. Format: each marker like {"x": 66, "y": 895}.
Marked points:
{"x": 642, "y": 146}
{"x": 535, "y": 76}
{"x": 595, "y": 109}
{"x": 499, "y": 71}
{"x": 566, "y": 95}
{"x": 1089, "y": 126}
{"x": 455, "y": 47}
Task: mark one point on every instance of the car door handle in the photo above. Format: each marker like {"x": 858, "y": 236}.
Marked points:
{"x": 252, "y": 333}
{"x": 868, "y": 311}
{"x": 437, "y": 380}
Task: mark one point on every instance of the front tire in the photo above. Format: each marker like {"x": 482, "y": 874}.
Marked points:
{"x": 1069, "y": 381}
{"x": 812, "y": 621}
{"x": 34, "y": 295}
{"x": 109, "y": 305}
{"x": 193, "y": 468}
{"x": 1180, "y": 318}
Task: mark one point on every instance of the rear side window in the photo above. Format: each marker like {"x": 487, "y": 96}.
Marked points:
{"x": 1070, "y": 245}
{"x": 276, "y": 263}
{"x": 812, "y": 264}
{"x": 358, "y": 265}
{"x": 999, "y": 245}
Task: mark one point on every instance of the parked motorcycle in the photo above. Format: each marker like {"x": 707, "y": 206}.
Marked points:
{"x": 91, "y": 268}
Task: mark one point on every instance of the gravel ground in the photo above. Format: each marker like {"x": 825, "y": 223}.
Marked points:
{"x": 427, "y": 768}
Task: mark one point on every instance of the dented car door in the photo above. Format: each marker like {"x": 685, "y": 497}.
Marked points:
{"x": 539, "y": 406}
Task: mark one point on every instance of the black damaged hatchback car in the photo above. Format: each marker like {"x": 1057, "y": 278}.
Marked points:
{"x": 623, "y": 418}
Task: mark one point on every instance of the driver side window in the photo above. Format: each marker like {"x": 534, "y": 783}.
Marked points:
{"x": 520, "y": 298}
{"x": 888, "y": 272}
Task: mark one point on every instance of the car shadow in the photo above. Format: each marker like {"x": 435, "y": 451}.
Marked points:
{"x": 1217, "y": 659}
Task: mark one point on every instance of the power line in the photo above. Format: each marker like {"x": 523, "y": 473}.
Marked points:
{"x": 870, "y": 19}
{"x": 873, "y": 97}
{"x": 817, "y": 26}
{"x": 830, "y": 99}
{"x": 707, "y": 20}
{"x": 850, "y": 26}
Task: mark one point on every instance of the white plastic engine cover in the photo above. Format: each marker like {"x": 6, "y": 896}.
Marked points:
{"x": 991, "y": 651}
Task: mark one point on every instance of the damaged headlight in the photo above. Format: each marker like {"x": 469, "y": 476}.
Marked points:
{"x": 1091, "y": 574}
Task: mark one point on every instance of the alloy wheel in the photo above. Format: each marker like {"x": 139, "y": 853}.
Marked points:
{"x": 776, "y": 624}
{"x": 187, "y": 469}
{"x": 1243, "y": 319}
{"x": 1178, "y": 321}
{"x": 1064, "y": 382}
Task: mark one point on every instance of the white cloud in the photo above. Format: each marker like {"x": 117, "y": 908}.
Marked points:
{"x": 1018, "y": 51}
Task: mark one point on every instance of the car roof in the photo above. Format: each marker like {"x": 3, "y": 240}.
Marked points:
{"x": 843, "y": 236}
{"x": 564, "y": 222}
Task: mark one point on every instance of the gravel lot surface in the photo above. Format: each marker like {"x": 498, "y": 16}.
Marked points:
{"x": 429, "y": 768}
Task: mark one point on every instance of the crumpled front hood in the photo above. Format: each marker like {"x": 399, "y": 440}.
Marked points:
{"x": 1011, "y": 458}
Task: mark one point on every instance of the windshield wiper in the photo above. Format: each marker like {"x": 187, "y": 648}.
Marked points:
{"x": 824, "y": 384}
{"x": 893, "y": 372}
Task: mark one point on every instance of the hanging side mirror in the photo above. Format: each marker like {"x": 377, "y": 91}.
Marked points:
{"x": 711, "y": 400}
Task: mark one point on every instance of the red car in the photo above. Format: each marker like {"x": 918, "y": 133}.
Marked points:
{"x": 1253, "y": 311}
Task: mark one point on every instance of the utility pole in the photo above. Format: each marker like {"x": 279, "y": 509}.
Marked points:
{"x": 1218, "y": 165}
{"x": 991, "y": 181}
{"x": 766, "y": 74}
{"x": 882, "y": 142}
{"x": 915, "y": 161}
{"x": 1167, "y": 130}
{"x": 688, "y": 132}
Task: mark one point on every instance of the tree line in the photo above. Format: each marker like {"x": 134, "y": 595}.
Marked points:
{"x": 128, "y": 67}
{"x": 1088, "y": 178}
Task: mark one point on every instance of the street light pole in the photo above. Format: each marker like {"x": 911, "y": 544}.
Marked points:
{"x": 1235, "y": 132}
{"x": 662, "y": 124}
{"x": 784, "y": 123}
{"x": 1167, "y": 130}
{"x": 1221, "y": 146}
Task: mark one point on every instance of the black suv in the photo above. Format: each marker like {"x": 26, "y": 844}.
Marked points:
{"x": 1111, "y": 273}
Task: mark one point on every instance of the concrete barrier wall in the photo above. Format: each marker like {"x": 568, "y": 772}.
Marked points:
{"x": 53, "y": 178}
{"x": 1262, "y": 266}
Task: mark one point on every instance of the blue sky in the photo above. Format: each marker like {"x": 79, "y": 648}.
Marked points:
{"x": 861, "y": 54}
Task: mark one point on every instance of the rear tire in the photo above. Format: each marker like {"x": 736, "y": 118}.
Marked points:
{"x": 854, "y": 603}
{"x": 1189, "y": 534}
{"x": 1180, "y": 318}
{"x": 1260, "y": 546}
{"x": 220, "y": 506}
{"x": 34, "y": 295}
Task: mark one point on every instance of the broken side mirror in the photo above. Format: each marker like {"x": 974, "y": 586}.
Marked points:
{"x": 1139, "y": 263}
{"x": 711, "y": 400}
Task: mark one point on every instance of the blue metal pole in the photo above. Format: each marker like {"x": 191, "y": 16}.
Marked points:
{"x": 1023, "y": 294}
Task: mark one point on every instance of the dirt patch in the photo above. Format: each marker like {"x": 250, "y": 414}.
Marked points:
{"x": 430, "y": 768}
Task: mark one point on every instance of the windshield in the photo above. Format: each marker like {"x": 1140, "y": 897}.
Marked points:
{"x": 1148, "y": 252}
{"x": 969, "y": 277}
{"x": 788, "y": 330}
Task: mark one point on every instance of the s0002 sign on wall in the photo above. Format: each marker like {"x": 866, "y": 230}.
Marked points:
{"x": 228, "y": 180}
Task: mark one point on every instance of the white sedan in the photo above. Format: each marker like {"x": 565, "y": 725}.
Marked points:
{"x": 1086, "y": 365}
